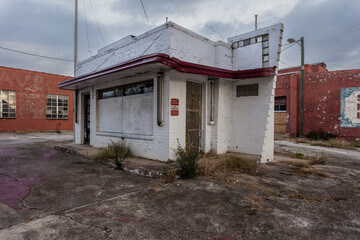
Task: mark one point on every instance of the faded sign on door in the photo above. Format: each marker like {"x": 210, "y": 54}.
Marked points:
{"x": 350, "y": 107}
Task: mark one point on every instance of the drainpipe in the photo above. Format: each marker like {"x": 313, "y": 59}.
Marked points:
{"x": 160, "y": 99}
{"x": 211, "y": 97}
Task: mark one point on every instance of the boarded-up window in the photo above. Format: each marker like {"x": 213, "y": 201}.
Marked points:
{"x": 127, "y": 109}
{"x": 280, "y": 104}
{"x": 247, "y": 90}
{"x": 7, "y": 104}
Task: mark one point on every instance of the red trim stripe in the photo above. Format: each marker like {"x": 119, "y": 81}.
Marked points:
{"x": 176, "y": 64}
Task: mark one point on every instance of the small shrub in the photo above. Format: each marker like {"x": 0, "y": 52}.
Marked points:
{"x": 317, "y": 160}
{"x": 187, "y": 158}
{"x": 299, "y": 155}
{"x": 169, "y": 176}
{"x": 120, "y": 151}
{"x": 320, "y": 135}
{"x": 58, "y": 131}
{"x": 117, "y": 151}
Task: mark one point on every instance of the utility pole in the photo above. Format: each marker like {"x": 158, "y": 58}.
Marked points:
{"x": 256, "y": 25}
{"x": 302, "y": 89}
{"x": 75, "y": 61}
{"x": 76, "y": 35}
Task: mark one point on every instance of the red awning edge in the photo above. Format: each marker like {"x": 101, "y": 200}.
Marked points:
{"x": 176, "y": 64}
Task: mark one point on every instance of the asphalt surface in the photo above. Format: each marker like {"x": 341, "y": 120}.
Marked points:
{"x": 48, "y": 194}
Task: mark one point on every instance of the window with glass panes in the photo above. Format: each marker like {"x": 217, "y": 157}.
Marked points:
{"x": 280, "y": 104}
{"x": 57, "y": 106}
{"x": 7, "y": 104}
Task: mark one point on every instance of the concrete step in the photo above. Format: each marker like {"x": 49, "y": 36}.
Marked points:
{"x": 136, "y": 165}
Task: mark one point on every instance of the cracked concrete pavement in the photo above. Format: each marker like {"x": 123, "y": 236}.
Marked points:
{"x": 48, "y": 194}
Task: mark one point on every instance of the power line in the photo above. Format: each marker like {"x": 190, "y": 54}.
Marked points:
{"x": 286, "y": 63}
{"x": 292, "y": 44}
{"x": 37, "y": 55}
{"x": 142, "y": 4}
{"x": 97, "y": 22}
{"x": 86, "y": 27}
{"x": 212, "y": 28}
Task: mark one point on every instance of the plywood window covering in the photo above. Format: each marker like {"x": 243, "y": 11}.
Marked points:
{"x": 280, "y": 104}
{"x": 7, "y": 104}
{"x": 57, "y": 106}
{"x": 247, "y": 90}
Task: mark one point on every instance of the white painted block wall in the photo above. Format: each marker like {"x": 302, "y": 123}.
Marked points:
{"x": 253, "y": 120}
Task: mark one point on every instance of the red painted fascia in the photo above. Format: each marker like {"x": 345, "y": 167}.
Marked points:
{"x": 176, "y": 64}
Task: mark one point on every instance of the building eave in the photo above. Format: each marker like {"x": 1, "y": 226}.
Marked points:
{"x": 173, "y": 63}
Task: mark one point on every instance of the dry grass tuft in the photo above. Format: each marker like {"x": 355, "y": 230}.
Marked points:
{"x": 317, "y": 159}
{"x": 169, "y": 176}
{"x": 296, "y": 163}
{"x": 210, "y": 164}
{"x": 314, "y": 172}
{"x": 296, "y": 196}
{"x": 332, "y": 143}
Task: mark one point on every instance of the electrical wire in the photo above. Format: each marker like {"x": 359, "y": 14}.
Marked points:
{"x": 104, "y": 61}
{"x": 292, "y": 44}
{"x": 286, "y": 63}
{"x": 86, "y": 27}
{"x": 142, "y": 4}
{"x": 102, "y": 37}
{"x": 37, "y": 55}
{"x": 212, "y": 28}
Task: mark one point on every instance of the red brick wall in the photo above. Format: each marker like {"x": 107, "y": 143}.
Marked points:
{"x": 31, "y": 90}
{"x": 321, "y": 99}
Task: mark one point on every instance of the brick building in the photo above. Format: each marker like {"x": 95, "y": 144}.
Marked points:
{"x": 331, "y": 101}
{"x": 32, "y": 101}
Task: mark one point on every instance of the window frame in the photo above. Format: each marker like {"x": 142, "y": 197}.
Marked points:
{"x": 10, "y": 105}
{"x": 283, "y": 103}
{"x": 65, "y": 100}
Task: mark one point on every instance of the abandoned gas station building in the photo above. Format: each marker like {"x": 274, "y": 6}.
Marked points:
{"x": 171, "y": 85}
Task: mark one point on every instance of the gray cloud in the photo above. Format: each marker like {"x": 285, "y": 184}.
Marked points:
{"x": 331, "y": 29}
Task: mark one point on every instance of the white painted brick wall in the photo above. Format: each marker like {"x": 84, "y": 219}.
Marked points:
{"x": 252, "y": 120}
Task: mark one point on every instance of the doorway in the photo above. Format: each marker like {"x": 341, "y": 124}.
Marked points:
{"x": 193, "y": 113}
{"x": 86, "y": 118}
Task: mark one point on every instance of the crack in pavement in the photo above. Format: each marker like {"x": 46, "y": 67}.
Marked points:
{"x": 11, "y": 177}
{"x": 22, "y": 201}
{"x": 107, "y": 230}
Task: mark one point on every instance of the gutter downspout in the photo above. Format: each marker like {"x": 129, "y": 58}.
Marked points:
{"x": 160, "y": 99}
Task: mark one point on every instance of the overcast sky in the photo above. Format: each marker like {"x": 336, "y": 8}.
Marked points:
{"x": 331, "y": 28}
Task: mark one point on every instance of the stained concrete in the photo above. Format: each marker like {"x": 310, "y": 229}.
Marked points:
{"x": 70, "y": 197}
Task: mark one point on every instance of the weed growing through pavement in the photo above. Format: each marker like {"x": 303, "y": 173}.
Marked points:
{"x": 117, "y": 151}
{"x": 188, "y": 160}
